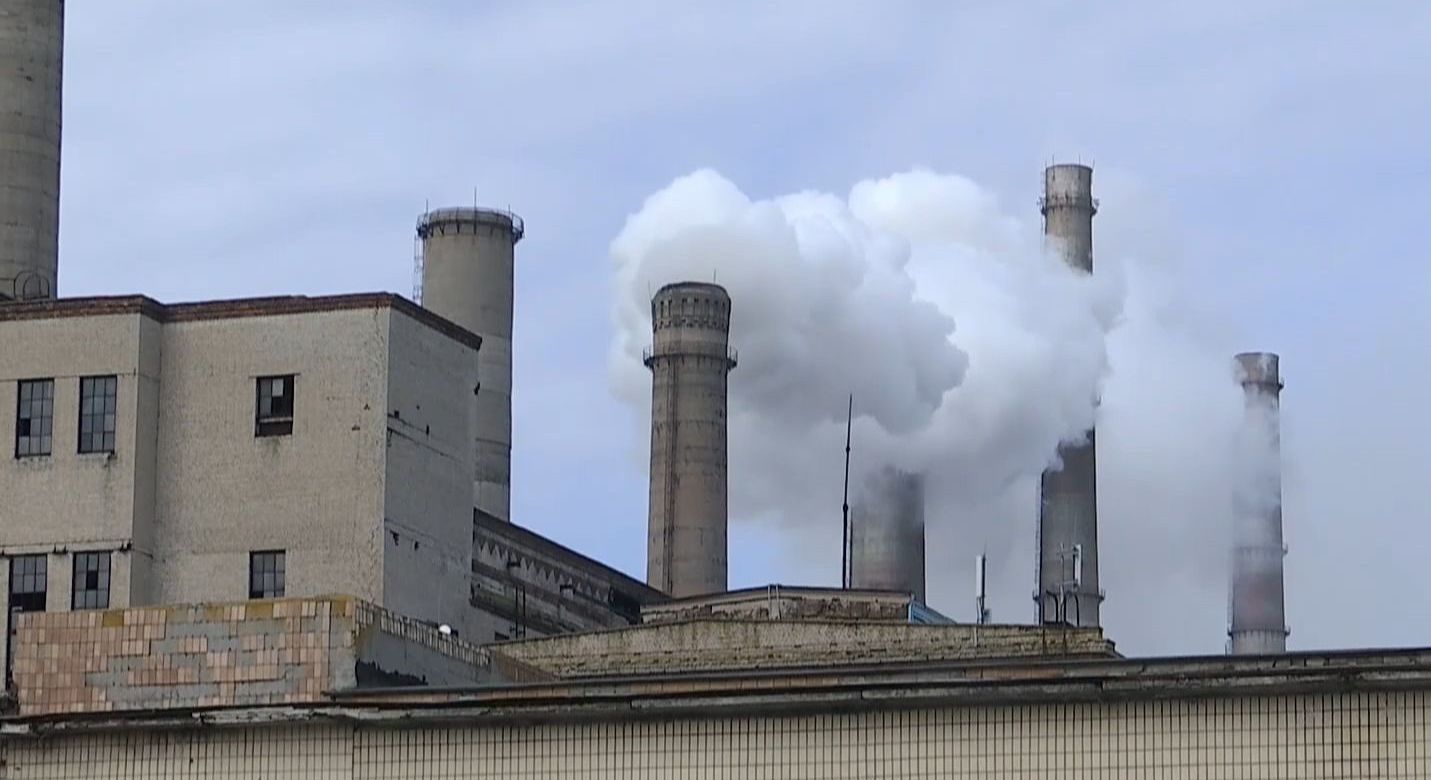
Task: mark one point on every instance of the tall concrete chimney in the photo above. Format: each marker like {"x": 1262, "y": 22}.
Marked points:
{"x": 1068, "y": 495}
{"x": 467, "y": 264}
{"x": 887, "y": 533}
{"x": 31, "y": 65}
{"x": 1258, "y": 623}
{"x": 689, "y": 359}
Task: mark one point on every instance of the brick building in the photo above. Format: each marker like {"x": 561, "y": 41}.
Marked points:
{"x": 207, "y": 452}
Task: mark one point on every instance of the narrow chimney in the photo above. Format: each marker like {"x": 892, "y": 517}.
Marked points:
{"x": 31, "y": 85}
{"x": 468, "y": 256}
{"x": 690, "y": 359}
{"x": 887, "y": 533}
{"x": 1258, "y": 622}
{"x": 1068, "y": 589}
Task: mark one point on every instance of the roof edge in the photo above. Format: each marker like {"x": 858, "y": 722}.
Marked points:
{"x": 232, "y": 308}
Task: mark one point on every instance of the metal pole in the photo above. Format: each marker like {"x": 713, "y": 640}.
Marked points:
{"x": 845, "y": 508}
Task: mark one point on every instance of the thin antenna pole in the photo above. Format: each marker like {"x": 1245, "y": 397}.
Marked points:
{"x": 845, "y": 509}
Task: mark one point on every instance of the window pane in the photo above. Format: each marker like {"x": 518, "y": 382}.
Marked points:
{"x": 33, "y": 417}
{"x": 91, "y": 581}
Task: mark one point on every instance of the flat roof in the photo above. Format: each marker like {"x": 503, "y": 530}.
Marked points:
{"x": 765, "y": 693}
{"x": 231, "y": 308}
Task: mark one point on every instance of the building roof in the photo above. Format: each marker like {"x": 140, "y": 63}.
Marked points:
{"x": 531, "y": 540}
{"x": 804, "y": 691}
{"x": 231, "y": 308}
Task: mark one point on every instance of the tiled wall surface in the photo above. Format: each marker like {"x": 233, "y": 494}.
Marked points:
{"x": 261, "y": 652}
{"x": 1348, "y": 735}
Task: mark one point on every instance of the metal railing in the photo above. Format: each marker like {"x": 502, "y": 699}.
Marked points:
{"x": 691, "y": 348}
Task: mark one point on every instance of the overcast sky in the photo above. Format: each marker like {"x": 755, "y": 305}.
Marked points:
{"x": 1274, "y": 152}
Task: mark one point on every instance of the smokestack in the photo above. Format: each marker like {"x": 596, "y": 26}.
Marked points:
{"x": 1258, "y": 622}
{"x": 31, "y": 64}
{"x": 887, "y": 533}
{"x": 690, "y": 358}
{"x": 1068, "y": 495}
{"x": 467, "y": 264}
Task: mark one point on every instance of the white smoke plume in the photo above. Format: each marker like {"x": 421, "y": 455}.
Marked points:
{"x": 971, "y": 352}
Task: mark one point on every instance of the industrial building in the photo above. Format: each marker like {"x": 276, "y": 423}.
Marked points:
{"x": 331, "y": 688}
{"x": 274, "y": 537}
{"x": 185, "y": 453}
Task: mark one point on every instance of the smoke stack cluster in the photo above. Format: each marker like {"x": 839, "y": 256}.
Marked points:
{"x": 1258, "y": 622}
{"x": 1068, "y": 589}
{"x": 887, "y": 533}
{"x": 468, "y": 259}
{"x": 31, "y": 70}
{"x": 689, "y": 358}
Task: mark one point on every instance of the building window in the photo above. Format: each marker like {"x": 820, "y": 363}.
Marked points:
{"x": 34, "y": 420}
{"x": 27, "y": 583}
{"x": 98, "y": 395}
{"x": 91, "y": 586}
{"x": 265, "y": 575}
{"x": 275, "y": 406}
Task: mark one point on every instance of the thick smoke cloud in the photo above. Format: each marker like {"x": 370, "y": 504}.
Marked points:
{"x": 971, "y": 352}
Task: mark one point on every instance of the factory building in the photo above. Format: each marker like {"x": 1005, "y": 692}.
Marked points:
{"x": 266, "y": 447}
{"x": 807, "y": 685}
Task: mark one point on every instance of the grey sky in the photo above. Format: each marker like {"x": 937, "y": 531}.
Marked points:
{"x": 1273, "y": 152}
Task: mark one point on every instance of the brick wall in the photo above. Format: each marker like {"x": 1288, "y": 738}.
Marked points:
{"x": 282, "y": 651}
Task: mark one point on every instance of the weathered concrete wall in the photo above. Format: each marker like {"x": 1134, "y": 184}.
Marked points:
{"x": 31, "y": 70}
{"x": 526, "y": 585}
{"x": 317, "y": 494}
{"x": 279, "y": 651}
{"x": 1068, "y": 506}
{"x": 427, "y": 500}
{"x": 781, "y": 603}
{"x": 467, "y": 277}
{"x": 689, "y": 360}
{"x": 731, "y": 645}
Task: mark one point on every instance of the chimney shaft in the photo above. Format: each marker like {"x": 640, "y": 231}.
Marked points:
{"x": 1257, "y": 615}
{"x": 690, "y": 359}
{"x": 1068, "y": 588}
{"x": 467, "y": 266}
{"x": 887, "y": 533}
{"x": 31, "y": 70}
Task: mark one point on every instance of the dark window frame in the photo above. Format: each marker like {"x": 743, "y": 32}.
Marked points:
{"x": 267, "y": 574}
{"x": 29, "y": 582}
{"x": 32, "y": 411}
{"x": 97, "y": 425}
{"x": 274, "y": 405}
{"x": 91, "y": 580}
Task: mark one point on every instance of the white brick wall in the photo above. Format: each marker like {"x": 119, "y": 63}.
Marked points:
{"x": 191, "y": 488}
